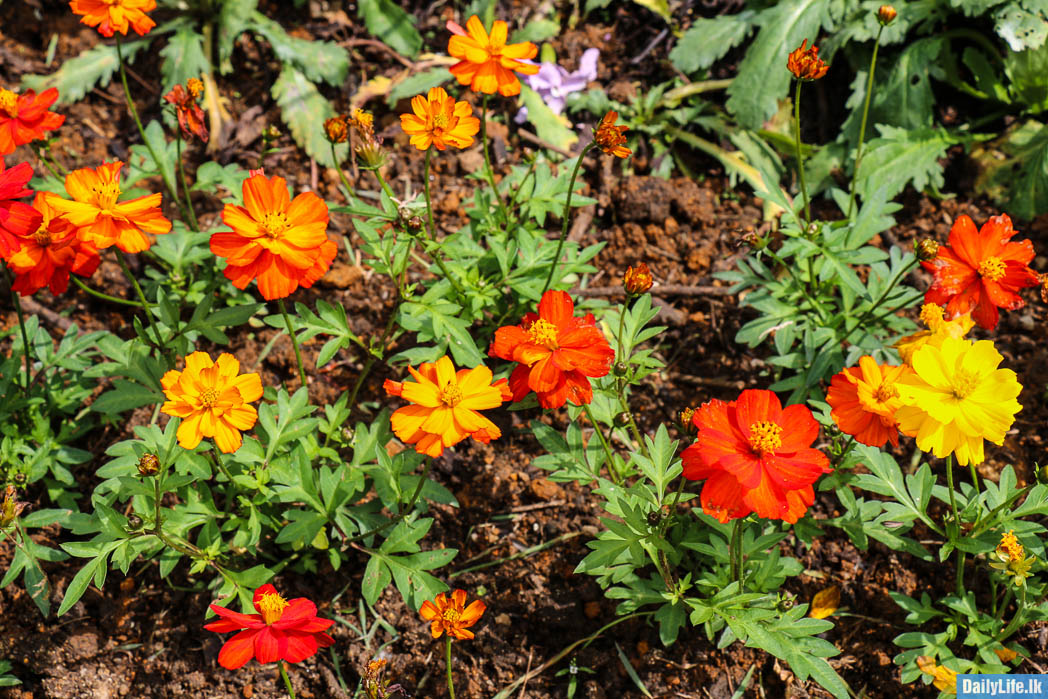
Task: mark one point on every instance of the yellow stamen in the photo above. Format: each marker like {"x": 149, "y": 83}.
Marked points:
{"x": 765, "y": 437}
{"x": 932, "y": 316}
{"x": 208, "y": 397}
{"x": 106, "y": 194}
{"x": 451, "y": 615}
{"x": 451, "y": 395}
{"x": 1011, "y": 545}
{"x": 274, "y": 224}
{"x": 964, "y": 383}
{"x": 543, "y": 333}
{"x": 8, "y": 102}
{"x": 272, "y": 607}
{"x": 885, "y": 392}
{"x": 992, "y": 268}
{"x": 441, "y": 119}
{"x": 42, "y": 237}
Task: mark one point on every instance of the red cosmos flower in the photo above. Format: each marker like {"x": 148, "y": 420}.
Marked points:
{"x": 24, "y": 118}
{"x": 755, "y": 457}
{"x": 190, "y": 115}
{"x": 281, "y": 630}
{"x": 980, "y": 271}
{"x": 12, "y": 186}
{"x": 49, "y": 249}
{"x": 556, "y": 351}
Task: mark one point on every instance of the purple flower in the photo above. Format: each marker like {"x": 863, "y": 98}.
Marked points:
{"x": 554, "y": 83}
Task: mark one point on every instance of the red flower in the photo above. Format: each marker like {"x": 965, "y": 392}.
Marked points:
{"x": 556, "y": 351}
{"x": 49, "y": 249}
{"x": 281, "y": 630}
{"x": 755, "y": 457}
{"x": 24, "y": 118}
{"x": 12, "y": 186}
{"x": 190, "y": 115}
{"x": 980, "y": 271}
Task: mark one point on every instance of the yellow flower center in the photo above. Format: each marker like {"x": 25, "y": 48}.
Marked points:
{"x": 964, "y": 383}
{"x": 441, "y": 119}
{"x": 8, "y": 102}
{"x": 272, "y": 607}
{"x": 992, "y": 268}
{"x": 274, "y": 224}
{"x": 42, "y": 236}
{"x": 196, "y": 88}
{"x": 932, "y": 315}
{"x": 450, "y": 616}
{"x": 765, "y": 437}
{"x": 543, "y": 333}
{"x": 208, "y": 397}
{"x": 106, "y": 194}
{"x": 885, "y": 392}
{"x": 451, "y": 395}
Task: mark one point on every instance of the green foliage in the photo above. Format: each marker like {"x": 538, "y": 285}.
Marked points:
{"x": 392, "y": 25}
{"x": 304, "y": 110}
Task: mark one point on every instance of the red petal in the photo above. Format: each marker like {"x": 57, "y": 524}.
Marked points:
{"x": 298, "y": 611}
{"x": 238, "y": 650}
{"x": 267, "y": 645}
{"x": 556, "y": 307}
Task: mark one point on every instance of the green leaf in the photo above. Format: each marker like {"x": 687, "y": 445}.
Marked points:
{"x": 392, "y": 25}
{"x": 707, "y": 40}
{"x": 317, "y": 60}
{"x": 1020, "y": 27}
{"x": 900, "y": 156}
{"x": 80, "y": 75}
{"x": 1020, "y": 181}
{"x": 550, "y": 127}
{"x": 304, "y": 110}
{"x": 418, "y": 84}
{"x": 125, "y": 395}
{"x": 232, "y": 20}
{"x": 184, "y": 58}
{"x": 1026, "y": 71}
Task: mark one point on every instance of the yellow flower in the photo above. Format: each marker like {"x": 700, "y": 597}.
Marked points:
{"x": 945, "y": 679}
{"x": 956, "y": 397}
{"x": 938, "y": 328}
{"x": 212, "y": 400}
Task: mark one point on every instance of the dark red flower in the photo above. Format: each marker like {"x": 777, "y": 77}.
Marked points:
{"x": 190, "y": 115}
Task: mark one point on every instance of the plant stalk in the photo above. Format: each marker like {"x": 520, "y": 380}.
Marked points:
{"x": 447, "y": 664}
{"x": 862, "y": 127}
{"x": 26, "y": 352}
{"x": 487, "y": 156}
{"x": 565, "y": 217}
{"x": 294, "y": 342}
{"x": 735, "y": 552}
{"x": 287, "y": 680}
{"x": 105, "y": 297}
{"x": 800, "y": 158}
{"x": 185, "y": 187}
{"x": 957, "y": 523}
{"x": 146, "y": 306}
{"x": 615, "y": 476}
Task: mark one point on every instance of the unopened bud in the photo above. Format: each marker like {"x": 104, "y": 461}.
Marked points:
{"x": 335, "y": 130}
{"x": 654, "y": 517}
{"x": 271, "y": 133}
{"x": 20, "y": 478}
{"x": 786, "y": 603}
{"x": 11, "y": 508}
{"x": 886, "y": 15}
{"x": 148, "y": 465}
{"x": 754, "y": 240}
{"x": 620, "y": 368}
{"x": 415, "y": 224}
{"x": 926, "y": 250}
{"x": 134, "y": 522}
{"x": 1042, "y": 475}
{"x": 622, "y": 419}
{"x": 637, "y": 280}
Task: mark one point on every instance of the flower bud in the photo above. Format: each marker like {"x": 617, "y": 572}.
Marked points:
{"x": 620, "y": 368}
{"x": 654, "y": 517}
{"x": 637, "y": 280}
{"x": 926, "y": 250}
{"x": 886, "y": 15}
{"x": 335, "y": 130}
{"x": 1042, "y": 475}
{"x": 805, "y": 63}
{"x": 11, "y": 508}
{"x": 271, "y": 133}
{"x": 622, "y": 419}
{"x": 686, "y": 424}
{"x": 21, "y": 478}
{"x": 754, "y": 240}
{"x": 148, "y": 465}
{"x": 134, "y": 522}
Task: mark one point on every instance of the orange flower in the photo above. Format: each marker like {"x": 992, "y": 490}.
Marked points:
{"x": 445, "y": 405}
{"x": 49, "y": 249}
{"x": 486, "y": 63}
{"x": 864, "y": 400}
{"x": 557, "y": 352}
{"x": 103, "y": 221}
{"x": 639, "y": 280}
{"x": 115, "y": 15}
{"x": 190, "y": 115}
{"x": 25, "y": 118}
{"x": 755, "y": 456}
{"x": 336, "y": 130}
{"x": 980, "y": 271}
{"x": 805, "y": 64}
{"x": 280, "y": 242}
{"x": 12, "y": 186}
{"x": 212, "y": 400}
{"x": 611, "y": 138}
{"x": 452, "y": 616}
{"x": 439, "y": 120}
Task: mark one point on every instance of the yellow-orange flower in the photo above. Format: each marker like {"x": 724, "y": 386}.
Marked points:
{"x": 440, "y": 121}
{"x": 115, "y": 15}
{"x": 864, "y": 400}
{"x": 938, "y": 329}
{"x": 805, "y": 63}
{"x": 212, "y": 400}
{"x": 104, "y": 221}
{"x": 944, "y": 679}
{"x": 611, "y": 138}
{"x": 49, "y": 249}
{"x": 486, "y": 62}
{"x": 452, "y": 616}
{"x": 444, "y": 406}
{"x": 280, "y": 242}
{"x": 639, "y": 280}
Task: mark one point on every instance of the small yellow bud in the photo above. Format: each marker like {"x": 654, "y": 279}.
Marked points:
{"x": 886, "y": 15}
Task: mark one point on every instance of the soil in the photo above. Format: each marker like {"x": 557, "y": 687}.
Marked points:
{"x": 141, "y": 636}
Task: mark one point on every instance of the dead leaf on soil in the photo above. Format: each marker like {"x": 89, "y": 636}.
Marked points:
{"x": 825, "y": 602}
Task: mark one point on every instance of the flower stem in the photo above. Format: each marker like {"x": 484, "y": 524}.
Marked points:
{"x": 287, "y": 680}
{"x": 431, "y": 235}
{"x": 25, "y": 339}
{"x": 429, "y": 203}
{"x": 862, "y": 127}
{"x": 341, "y": 174}
{"x": 735, "y": 552}
{"x": 620, "y": 383}
{"x": 447, "y": 664}
{"x": 105, "y": 297}
{"x": 294, "y": 342}
{"x": 185, "y": 188}
{"x": 146, "y": 306}
{"x": 800, "y": 159}
{"x": 604, "y": 443}
{"x": 957, "y": 523}
{"x": 565, "y": 216}
{"x": 487, "y": 157}
{"x": 1013, "y": 625}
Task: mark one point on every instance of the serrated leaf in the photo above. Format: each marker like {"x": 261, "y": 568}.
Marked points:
{"x": 391, "y": 25}
{"x": 900, "y": 156}
{"x": 1020, "y": 27}
{"x": 317, "y": 60}
{"x": 304, "y": 110}
{"x": 184, "y": 58}
{"x": 80, "y": 75}
{"x": 708, "y": 39}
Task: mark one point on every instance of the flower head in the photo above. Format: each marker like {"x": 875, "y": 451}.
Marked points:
{"x": 1012, "y": 559}
{"x": 639, "y": 280}
{"x": 48, "y": 248}
{"x": 12, "y": 186}
{"x": 212, "y": 400}
{"x": 440, "y": 121}
{"x": 486, "y": 62}
{"x": 115, "y": 15}
{"x": 805, "y": 63}
{"x": 864, "y": 400}
{"x": 755, "y": 456}
{"x": 557, "y": 353}
{"x": 452, "y": 616}
{"x": 336, "y": 130}
{"x": 369, "y": 146}
{"x": 287, "y": 630}
{"x": 956, "y": 397}
{"x": 280, "y": 242}
{"x": 101, "y": 218}
{"x": 933, "y": 317}
{"x": 25, "y": 118}
{"x": 886, "y": 15}
{"x": 445, "y": 406}
{"x": 981, "y": 271}
{"x": 190, "y": 115}
{"x": 944, "y": 679}
{"x": 611, "y": 138}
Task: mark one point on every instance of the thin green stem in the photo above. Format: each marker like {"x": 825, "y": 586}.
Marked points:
{"x": 447, "y": 664}
{"x": 185, "y": 187}
{"x": 735, "y": 552}
{"x": 615, "y": 476}
{"x": 146, "y": 306}
{"x": 802, "y": 287}
{"x": 105, "y": 297}
{"x": 431, "y": 234}
{"x": 957, "y": 523}
{"x": 26, "y": 351}
{"x": 565, "y": 217}
{"x": 862, "y": 127}
{"x": 800, "y": 158}
{"x": 341, "y": 175}
{"x": 520, "y": 187}
{"x": 1017, "y": 620}
{"x": 487, "y": 158}
{"x": 620, "y": 383}
{"x": 43, "y": 160}
{"x": 287, "y": 680}
{"x": 402, "y": 512}
{"x": 429, "y": 203}
{"x": 975, "y": 483}
{"x": 294, "y": 341}
{"x": 884, "y": 294}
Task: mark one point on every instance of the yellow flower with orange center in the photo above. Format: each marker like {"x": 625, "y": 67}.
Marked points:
{"x": 212, "y": 400}
{"x": 486, "y": 62}
{"x": 452, "y": 616}
{"x": 440, "y": 121}
{"x": 115, "y": 15}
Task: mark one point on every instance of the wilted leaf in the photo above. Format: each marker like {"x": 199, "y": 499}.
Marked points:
{"x": 304, "y": 110}
{"x": 1021, "y": 28}
{"x": 825, "y": 602}
{"x": 1006, "y": 655}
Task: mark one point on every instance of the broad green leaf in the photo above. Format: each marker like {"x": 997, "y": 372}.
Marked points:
{"x": 184, "y": 58}
{"x": 392, "y": 25}
{"x": 550, "y": 127}
{"x": 708, "y": 39}
{"x": 1022, "y": 28}
{"x": 1020, "y": 181}
{"x": 125, "y": 395}
{"x": 304, "y": 110}
{"x": 1026, "y": 70}
{"x": 900, "y": 156}
{"x": 317, "y": 60}
{"x": 80, "y": 75}
{"x": 418, "y": 84}
{"x": 232, "y": 20}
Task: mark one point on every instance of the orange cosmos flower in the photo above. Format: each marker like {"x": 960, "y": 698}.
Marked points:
{"x": 864, "y": 400}
{"x": 611, "y": 138}
{"x": 12, "y": 186}
{"x": 444, "y": 406}
{"x": 439, "y": 120}
{"x": 805, "y": 63}
{"x": 280, "y": 242}
{"x": 25, "y": 118}
{"x": 190, "y": 115}
{"x": 981, "y": 271}
{"x": 103, "y": 221}
{"x": 755, "y": 456}
{"x": 115, "y": 15}
{"x": 639, "y": 280}
{"x": 557, "y": 353}
{"x": 282, "y": 630}
{"x": 49, "y": 249}
{"x": 212, "y": 400}
{"x": 486, "y": 63}
{"x": 452, "y": 616}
